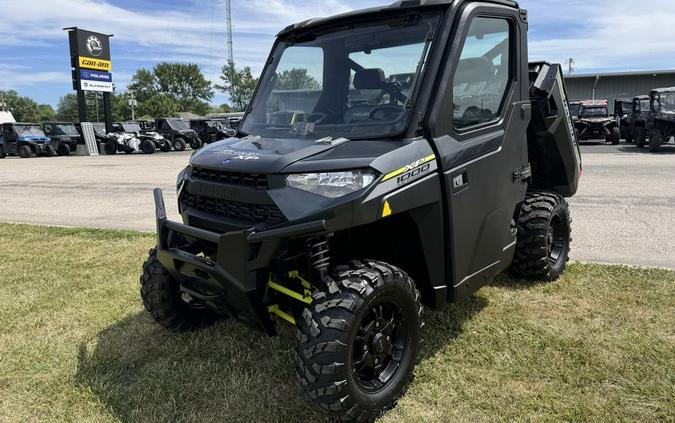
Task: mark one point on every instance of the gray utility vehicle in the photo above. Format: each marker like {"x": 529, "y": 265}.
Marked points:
{"x": 64, "y": 135}
{"x": 178, "y": 132}
{"x": 575, "y": 109}
{"x": 211, "y": 130}
{"x": 159, "y": 141}
{"x": 595, "y": 123}
{"x": 24, "y": 140}
{"x": 622, "y": 111}
{"x": 375, "y": 196}
{"x": 661, "y": 120}
{"x": 637, "y": 121}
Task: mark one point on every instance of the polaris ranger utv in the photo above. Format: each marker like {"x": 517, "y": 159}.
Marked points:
{"x": 24, "y": 140}
{"x": 211, "y": 130}
{"x": 64, "y": 135}
{"x": 622, "y": 112}
{"x": 595, "y": 123}
{"x": 384, "y": 196}
{"x": 178, "y": 133}
{"x": 661, "y": 119}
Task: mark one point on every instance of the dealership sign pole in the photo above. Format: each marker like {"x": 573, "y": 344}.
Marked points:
{"x": 91, "y": 69}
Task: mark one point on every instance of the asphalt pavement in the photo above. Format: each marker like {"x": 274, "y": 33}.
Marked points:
{"x": 624, "y": 211}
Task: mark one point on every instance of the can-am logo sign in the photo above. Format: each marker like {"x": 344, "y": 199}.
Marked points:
{"x": 94, "y": 46}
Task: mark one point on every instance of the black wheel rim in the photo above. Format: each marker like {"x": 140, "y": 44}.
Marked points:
{"x": 379, "y": 346}
{"x": 556, "y": 240}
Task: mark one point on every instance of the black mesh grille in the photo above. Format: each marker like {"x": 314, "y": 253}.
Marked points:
{"x": 254, "y": 180}
{"x": 257, "y": 213}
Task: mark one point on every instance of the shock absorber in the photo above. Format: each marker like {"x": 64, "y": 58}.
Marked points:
{"x": 319, "y": 255}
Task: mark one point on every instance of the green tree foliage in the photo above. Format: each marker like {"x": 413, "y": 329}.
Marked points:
{"x": 239, "y": 84}
{"x": 25, "y": 109}
{"x": 66, "y": 110}
{"x": 184, "y": 85}
{"x": 296, "y": 79}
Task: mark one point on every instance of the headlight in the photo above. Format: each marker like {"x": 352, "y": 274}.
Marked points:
{"x": 180, "y": 179}
{"x": 332, "y": 184}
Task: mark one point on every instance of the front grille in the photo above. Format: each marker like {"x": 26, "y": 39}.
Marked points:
{"x": 254, "y": 213}
{"x": 254, "y": 180}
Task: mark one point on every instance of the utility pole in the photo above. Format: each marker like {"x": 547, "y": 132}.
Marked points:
{"x": 570, "y": 65}
{"x": 230, "y": 49}
{"x": 133, "y": 103}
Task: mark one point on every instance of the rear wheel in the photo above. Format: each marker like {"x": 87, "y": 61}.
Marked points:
{"x": 148, "y": 147}
{"x": 359, "y": 340}
{"x": 655, "y": 140}
{"x": 110, "y": 147}
{"x": 25, "y": 152}
{"x": 165, "y": 146}
{"x": 543, "y": 238}
{"x": 63, "y": 150}
{"x": 166, "y": 304}
{"x": 616, "y": 136}
{"x": 3, "y": 153}
{"x": 49, "y": 151}
{"x": 179, "y": 144}
{"x": 640, "y": 137}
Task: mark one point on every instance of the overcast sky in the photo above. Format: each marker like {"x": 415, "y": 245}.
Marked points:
{"x": 615, "y": 35}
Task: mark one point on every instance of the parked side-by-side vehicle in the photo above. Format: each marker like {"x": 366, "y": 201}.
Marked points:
{"x": 24, "y": 140}
{"x": 595, "y": 123}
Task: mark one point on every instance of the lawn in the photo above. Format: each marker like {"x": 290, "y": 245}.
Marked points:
{"x": 76, "y": 345}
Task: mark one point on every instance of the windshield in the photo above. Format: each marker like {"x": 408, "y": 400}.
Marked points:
{"x": 29, "y": 130}
{"x": 599, "y": 111}
{"x": 131, "y": 127}
{"x": 668, "y": 101}
{"x": 644, "y": 105}
{"x": 357, "y": 82}
{"x": 63, "y": 129}
{"x": 99, "y": 128}
{"x": 178, "y": 124}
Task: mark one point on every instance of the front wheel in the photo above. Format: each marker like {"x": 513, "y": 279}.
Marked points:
{"x": 179, "y": 144}
{"x": 25, "y": 152}
{"x": 655, "y": 140}
{"x": 63, "y": 149}
{"x": 164, "y": 146}
{"x": 616, "y": 136}
{"x": 543, "y": 237}
{"x": 3, "y": 154}
{"x": 163, "y": 299}
{"x": 359, "y": 340}
{"x": 196, "y": 143}
{"x": 148, "y": 147}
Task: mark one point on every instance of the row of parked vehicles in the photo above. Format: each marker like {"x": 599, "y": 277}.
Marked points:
{"x": 61, "y": 138}
{"x": 646, "y": 120}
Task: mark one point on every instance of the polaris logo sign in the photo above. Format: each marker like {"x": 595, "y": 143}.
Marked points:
{"x": 90, "y": 75}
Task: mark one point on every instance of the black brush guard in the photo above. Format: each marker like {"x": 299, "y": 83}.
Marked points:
{"x": 233, "y": 284}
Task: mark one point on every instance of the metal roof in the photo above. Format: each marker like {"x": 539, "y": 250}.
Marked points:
{"x": 617, "y": 74}
{"x": 401, "y": 4}
{"x": 664, "y": 90}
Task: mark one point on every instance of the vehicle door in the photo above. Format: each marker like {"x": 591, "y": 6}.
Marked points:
{"x": 483, "y": 144}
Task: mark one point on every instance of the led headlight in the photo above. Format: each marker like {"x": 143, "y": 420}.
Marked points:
{"x": 332, "y": 184}
{"x": 180, "y": 179}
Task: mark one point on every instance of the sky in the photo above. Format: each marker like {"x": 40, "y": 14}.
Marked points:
{"x": 601, "y": 35}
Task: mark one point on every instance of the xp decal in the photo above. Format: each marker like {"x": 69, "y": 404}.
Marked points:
{"x": 409, "y": 172}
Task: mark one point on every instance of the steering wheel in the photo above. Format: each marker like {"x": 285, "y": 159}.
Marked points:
{"x": 385, "y": 112}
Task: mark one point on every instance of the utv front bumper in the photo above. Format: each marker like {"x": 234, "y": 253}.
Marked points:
{"x": 233, "y": 280}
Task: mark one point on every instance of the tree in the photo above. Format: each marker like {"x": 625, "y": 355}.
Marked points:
{"x": 66, "y": 109}
{"x": 238, "y": 84}
{"x": 25, "y": 109}
{"x": 158, "y": 106}
{"x": 182, "y": 84}
{"x": 296, "y": 79}
{"x": 223, "y": 108}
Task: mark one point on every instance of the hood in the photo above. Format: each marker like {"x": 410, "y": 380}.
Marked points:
{"x": 33, "y": 138}
{"x": 272, "y": 155}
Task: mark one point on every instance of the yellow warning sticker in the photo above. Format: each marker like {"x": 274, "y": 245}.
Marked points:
{"x": 386, "y": 210}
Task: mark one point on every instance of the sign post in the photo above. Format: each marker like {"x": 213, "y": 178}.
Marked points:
{"x": 91, "y": 69}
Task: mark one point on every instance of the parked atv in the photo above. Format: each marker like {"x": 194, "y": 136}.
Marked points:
{"x": 661, "y": 119}
{"x": 159, "y": 141}
{"x": 128, "y": 143}
{"x": 24, "y": 140}
{"x": 210, "y": 130}
{"x": 178, "y": 133}
{"x": 64, "y": 136}
{"x": 595, "y": 123}
{"x": 383, "y": 197}
{"x": 575, "y": 109}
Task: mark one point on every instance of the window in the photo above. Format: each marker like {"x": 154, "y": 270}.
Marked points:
{"x": 482, "y": 75}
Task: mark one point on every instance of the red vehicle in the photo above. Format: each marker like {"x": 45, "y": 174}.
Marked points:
{"x": 595, "y": 123}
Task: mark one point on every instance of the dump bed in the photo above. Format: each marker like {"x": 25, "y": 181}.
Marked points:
{"x": 552, "y": 144}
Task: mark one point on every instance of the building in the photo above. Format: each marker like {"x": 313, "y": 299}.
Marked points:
{"x": 609, "y": 86}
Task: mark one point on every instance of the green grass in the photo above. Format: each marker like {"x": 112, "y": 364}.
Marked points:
{"x": 76, "y": 345}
